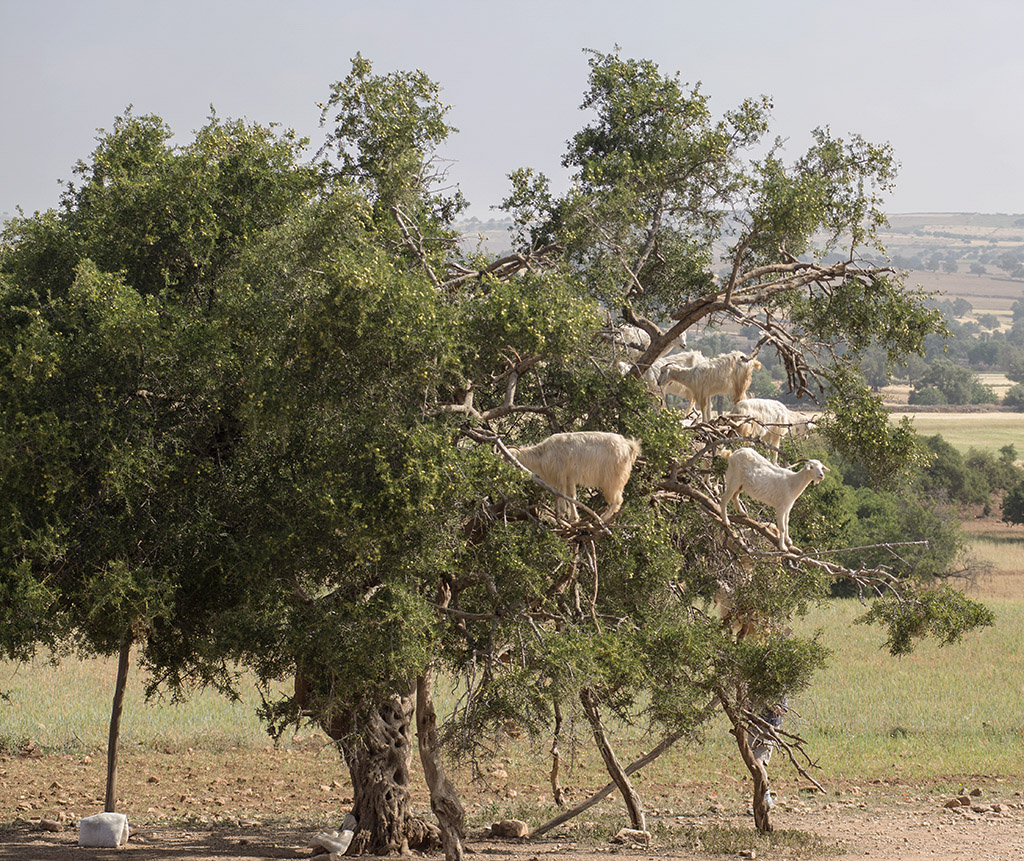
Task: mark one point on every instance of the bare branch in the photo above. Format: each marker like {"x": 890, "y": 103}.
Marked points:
{"x": 775, "y": 736}
{"x": 502, "y": 268}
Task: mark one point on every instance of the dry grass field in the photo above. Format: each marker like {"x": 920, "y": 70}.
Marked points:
{"x": 986, "y": 431}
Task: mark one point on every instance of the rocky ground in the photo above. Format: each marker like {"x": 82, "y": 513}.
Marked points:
{"x": 244, "y": 804}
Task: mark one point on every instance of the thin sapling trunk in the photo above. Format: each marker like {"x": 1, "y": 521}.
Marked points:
{"x": 634, "y": 805}
{"x": 110, "y": 800}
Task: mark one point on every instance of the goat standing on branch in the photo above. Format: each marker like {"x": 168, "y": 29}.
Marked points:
{"x": 588, "y": 458}
{"x": 723, "y": 375}
{"x": 637, "y": 341}
{"x": 770, "y": 420}
{"x": 763, "y": 480}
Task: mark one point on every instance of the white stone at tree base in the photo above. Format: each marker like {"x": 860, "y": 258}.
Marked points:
{"x": 333, "y": 842}
{"x": 103, "y": 830}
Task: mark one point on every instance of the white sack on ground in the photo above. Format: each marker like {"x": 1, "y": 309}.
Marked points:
{"x": 103, "y": 830}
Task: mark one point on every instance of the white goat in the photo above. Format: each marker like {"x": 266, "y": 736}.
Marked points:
{"x": 770, "y": 420}
{"x": 763, "y": 480}
{"x": 590, "y": 458}
{"x": 685, "y": 359}
{"x": 729, "y": 374}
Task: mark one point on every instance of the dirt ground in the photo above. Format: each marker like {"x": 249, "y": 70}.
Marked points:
{"x": 243, "y": 804}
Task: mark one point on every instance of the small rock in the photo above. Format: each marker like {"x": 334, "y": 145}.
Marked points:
{"x": 152, "y": 779}
{"x": 997, "y": 808}
{"x": 632, "y": 835}
{"x": 510, "y": 829}
{"x": 980, "y": 808}
{"x": 748, "y": 853}
{"x": 975, "y": 793}
{"x": 953, "y": 802}
{"x": 329, "y": 843}
{"x": 964, "y": 800}
{"x": 50, "y": 825}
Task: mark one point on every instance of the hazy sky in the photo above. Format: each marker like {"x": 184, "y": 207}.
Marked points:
{"x": 939, "y": 80}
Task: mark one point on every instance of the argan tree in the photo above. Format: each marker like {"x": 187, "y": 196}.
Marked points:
{"x": 119, "y": 399}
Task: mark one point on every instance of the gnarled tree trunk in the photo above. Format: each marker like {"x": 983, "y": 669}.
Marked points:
{"x": 378, "y": 757}
{"x": 377, "y": 745}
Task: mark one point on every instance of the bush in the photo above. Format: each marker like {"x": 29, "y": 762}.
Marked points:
{"x": 969, "y": 479}
{"x": 957, "y": 384}
{"x": 1013, "y": 505}
{"x": 1014, "y": 397}
{"x": 928, "y": 396}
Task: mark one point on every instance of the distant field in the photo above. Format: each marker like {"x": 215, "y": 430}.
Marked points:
{"x": 67, "y": 708}
{"x": 984, "y": 292}
{"x": 983, "y": 431}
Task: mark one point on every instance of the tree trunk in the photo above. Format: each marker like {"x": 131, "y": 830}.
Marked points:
{"x": 762, "y": 803}
{"x": 110, "y": 800}
{"x": 556, "y": 759}
{"x": 633, "y": 803}
{"x": 378, "y": 759}
{"x": 377, "y": 746}
{"x": 636, "y": 765}
{"x": 444, "y": 800}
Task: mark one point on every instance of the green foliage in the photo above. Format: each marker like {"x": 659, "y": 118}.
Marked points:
{"x": 928, "y": 396}
{"x": 117, "y": 398}
{"x": 943, "y": 613}
{"x": 387, "y": 129}
{"x": 925, "y": 541}
{"x": 780, "y": 666}
{"x": 163, "y": 217}
{"x": 1013, "y": 505}
{"x": 956, "y": 384}
{"x": 865, "y": 314}
{"x": 970, "y": 479}
{"x": 1014, "y": 397}
{"x": 858, "y": 428}
{"x": 653, "y": 148}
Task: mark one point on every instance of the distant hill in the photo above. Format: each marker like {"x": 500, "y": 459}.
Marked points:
{"x": 976, "y": 256}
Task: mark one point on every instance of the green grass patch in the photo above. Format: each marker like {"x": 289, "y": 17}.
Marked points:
{"x": 941, "y": 710}
{"x": 66, "y": 708}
